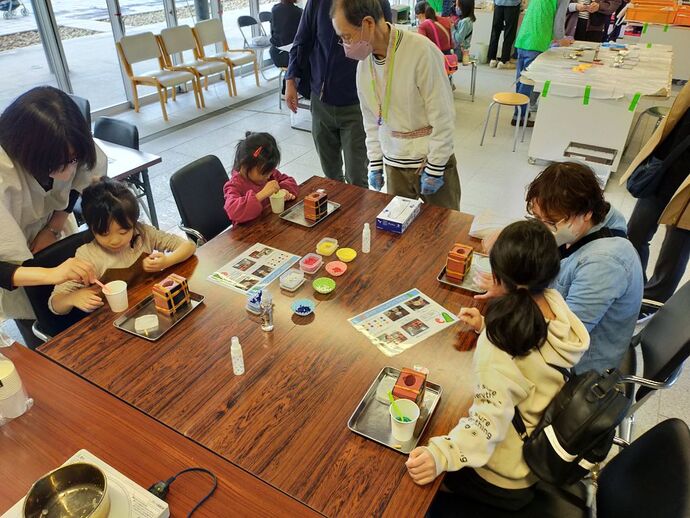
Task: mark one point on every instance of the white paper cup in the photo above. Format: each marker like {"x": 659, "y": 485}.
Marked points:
{"x": 278, "y": 201}
{"x": 403, "y": 431}
{"x": 116, "y": 295}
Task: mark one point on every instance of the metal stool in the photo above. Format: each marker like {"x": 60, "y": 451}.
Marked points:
{"x": 655, "y": 111}
{"x": 508, "y": 99}
{"x": 281, "y": 74}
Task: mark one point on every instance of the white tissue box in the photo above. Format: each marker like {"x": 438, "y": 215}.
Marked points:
{"x": 398, "y": 214}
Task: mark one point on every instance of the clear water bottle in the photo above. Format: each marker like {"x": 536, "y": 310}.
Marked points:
{"x": 236, "y": 356}
{"x": 366, "y": 239}
{"x": 267, "y": 312}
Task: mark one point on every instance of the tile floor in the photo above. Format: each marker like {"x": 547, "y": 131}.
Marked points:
{"x": 492, "y": 176}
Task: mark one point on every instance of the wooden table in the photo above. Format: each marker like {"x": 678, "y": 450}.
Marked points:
{"x": 285, "y": 420}
{"x": 70, "y": 414}
{"x": 131, "y": 165}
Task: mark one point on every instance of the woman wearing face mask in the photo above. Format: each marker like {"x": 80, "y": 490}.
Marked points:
{"x": 47, "y": 156}
{"x": 601, "y": 276}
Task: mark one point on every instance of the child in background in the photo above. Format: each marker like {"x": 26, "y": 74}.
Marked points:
{"x": 436, "y": 28}
{"x": 112, "y": 214}
{"x": 255, "y": 177}
{"x": 462, "y": 28}
{"x": 526, "y": 328}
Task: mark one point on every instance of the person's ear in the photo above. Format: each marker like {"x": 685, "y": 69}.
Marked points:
{"x": 587, "y": 217}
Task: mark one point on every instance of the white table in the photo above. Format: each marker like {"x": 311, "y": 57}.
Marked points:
{"x": 675, "y": 35}
{"x": 603, "y": 119}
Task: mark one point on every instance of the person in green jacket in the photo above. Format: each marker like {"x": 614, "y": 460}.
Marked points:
{"x": 543, "y": 23}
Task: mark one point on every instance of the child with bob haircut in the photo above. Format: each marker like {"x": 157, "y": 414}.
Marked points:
{"x": 112, "y": 214}
{"x": 255, "y": 177}
{"x": 528, "y": 329}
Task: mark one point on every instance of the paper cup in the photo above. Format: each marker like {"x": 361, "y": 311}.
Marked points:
{"x": 116, "y": 295}
{"x": 403, "y": 431}
{"x": 278, "y": 201}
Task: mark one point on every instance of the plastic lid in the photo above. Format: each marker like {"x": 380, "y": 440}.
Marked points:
{"x": 234, "y": 341}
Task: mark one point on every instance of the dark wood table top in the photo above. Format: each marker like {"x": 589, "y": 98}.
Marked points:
{"x": 123, "y": 161}
{"x": 285, "y": 420}
{"x": 70, "y": 414}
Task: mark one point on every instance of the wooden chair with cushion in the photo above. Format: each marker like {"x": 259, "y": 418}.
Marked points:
{"x": 144, "y": 47}
{"x": 210, "y": 32}
{"x": 177, "y": 40}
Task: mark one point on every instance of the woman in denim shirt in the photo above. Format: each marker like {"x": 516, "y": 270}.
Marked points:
{"x": 601, "y": 280}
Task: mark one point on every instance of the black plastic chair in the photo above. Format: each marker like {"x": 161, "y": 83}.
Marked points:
{"x": 125, "y": 134}
{"x": 198, "y": 192}
{"x": 665, "y": 345}
{"x": 266, "y": 16}
{"x": 48, "y": 324}
{"x": 651, "y": 477}
{"x": 84, "y": 107}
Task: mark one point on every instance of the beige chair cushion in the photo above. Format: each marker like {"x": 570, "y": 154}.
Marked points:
{"x": 206, "y": 68}
{"x": 169, "y": 77}
{"x": 178, "y": 39}
{"x": 237, "y": 58}
{"x": 210, "y": 31}
{"x": 140, "y": 47}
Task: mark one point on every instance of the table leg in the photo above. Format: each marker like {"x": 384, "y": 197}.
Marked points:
{"x": 149, "y": 198}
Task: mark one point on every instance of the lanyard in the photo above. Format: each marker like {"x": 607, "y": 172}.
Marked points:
{"x": 387, "y": 71}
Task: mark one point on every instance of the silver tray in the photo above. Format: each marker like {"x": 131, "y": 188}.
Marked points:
{"x": 146, "y": 307}
{"x": 468, "y": 282}
{"x": 372, "y": 420}
{"x": 295, "y": 214}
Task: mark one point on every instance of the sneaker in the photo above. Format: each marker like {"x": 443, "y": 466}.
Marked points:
{"x": 505, "y": 66}
{"x": 493, "y": 63}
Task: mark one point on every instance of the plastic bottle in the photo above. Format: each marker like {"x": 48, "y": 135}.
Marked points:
{"x": 267, "y": 312}
{"x": 237, "y": 357}
{"x": 366, "y": 239}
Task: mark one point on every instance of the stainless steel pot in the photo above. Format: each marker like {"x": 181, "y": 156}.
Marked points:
{"x": 77, "y": 490}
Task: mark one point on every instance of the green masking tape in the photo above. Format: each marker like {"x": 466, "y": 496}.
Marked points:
{"x": 545, "y": 90}
{"x": 666, "y": 28}
{"x": 644, "y": 28}
{"x": 633, "y": 103}
{"x": 585, "y": 99}
{"x": 649, "y": 45}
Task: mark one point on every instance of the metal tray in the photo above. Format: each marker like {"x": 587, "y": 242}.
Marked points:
{"x": 372, "y": 420}
{"x": 295, "y": 214}
{"x": 146, "y": 307}
{"x": 468, "y": 282}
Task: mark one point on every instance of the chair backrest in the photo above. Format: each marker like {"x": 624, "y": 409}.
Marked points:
{"x": 665, "y": 341}
{"x": 140, "y": 47}
{"x": 198, "y": 192}
{"x": 651, "y": 477}
{"x": 84, "y": 107}
{"x": 177, "y": 39}
{"x": 117, "y": 131}
{"x": 209, "y": 32}
{"x": 244, "y": 22}
{"x": 51, "y": 257}
{"x": 266, "y": 16}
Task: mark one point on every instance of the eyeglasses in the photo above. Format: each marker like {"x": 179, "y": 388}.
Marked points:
{"x": 551, "y": 225}
{"x": 62, "y": 167}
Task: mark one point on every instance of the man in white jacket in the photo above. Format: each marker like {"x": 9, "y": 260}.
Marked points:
{"x": 407, "y": 104}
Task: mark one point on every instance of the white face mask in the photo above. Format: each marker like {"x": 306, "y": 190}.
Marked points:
{"x": 565, "y": 235}
{"x": 66, "y": 173}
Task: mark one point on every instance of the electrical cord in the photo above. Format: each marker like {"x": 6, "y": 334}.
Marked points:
{"x": 161, "y": 488}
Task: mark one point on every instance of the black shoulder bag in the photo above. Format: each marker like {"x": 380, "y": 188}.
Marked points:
{"x": 645, "y": 179}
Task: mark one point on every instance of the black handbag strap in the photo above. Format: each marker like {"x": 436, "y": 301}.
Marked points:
{"x": 599, "y": 234}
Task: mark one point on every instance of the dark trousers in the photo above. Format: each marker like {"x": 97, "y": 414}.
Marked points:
{"x": 505, "y": 19}
{"x": 582, "y": 34}
{"x": 338, "y": 133}
{"x": 279, "y": 57}
{"x": 674, "y": 254}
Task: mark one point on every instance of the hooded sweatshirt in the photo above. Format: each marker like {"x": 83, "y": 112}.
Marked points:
{"x": 486, "y": 439}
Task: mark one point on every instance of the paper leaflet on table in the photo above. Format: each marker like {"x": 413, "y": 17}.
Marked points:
{"x": 403, "y": 321}
{"x": 253, "y": 269}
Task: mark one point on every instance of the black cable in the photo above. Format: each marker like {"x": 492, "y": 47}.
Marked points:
{"x": 160, "y": 489}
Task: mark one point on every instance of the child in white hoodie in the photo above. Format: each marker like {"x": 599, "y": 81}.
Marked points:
{"x": 525, "y": 329}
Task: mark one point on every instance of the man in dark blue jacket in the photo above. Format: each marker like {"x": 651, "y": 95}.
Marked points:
{"x": 319, "y": 69}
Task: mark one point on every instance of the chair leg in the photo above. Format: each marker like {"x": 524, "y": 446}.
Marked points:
{"x": 206, "y": 83}
{"x": 232, "y": 79}
{"x": 227, "y": 82}
{"x": 162, "y": 101}
{"x": 498, "y": 113}
{"x": 135, "y": 97}
{"x": 473, "y": 80}
{"x": 196, "y": 85}
{"x": 625, "y": 429}
{"x": 165, "y": 94}
{"x": 256, "y": 70}
{"x": 280, "y": 90}
{"x": 524, "y": 124}
{"x": 486, "y": 122}
{"x": 517, "y": 131}
{"x": 174, "y": 93}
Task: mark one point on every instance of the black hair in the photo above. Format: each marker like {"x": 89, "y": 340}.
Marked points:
{"x": 467, "y": 9}
{"x": 425, "y": 9}
{"x": 566, "y": 189}
{"x": 257, "y": 150}
{"x": 108, "y": 200}
{"x": 524, "y": 260}
{"x": 43, "y": 130}
{"x": 356, "y": 10}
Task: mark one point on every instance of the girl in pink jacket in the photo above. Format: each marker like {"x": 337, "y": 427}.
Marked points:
{"x": 255, "y": 177}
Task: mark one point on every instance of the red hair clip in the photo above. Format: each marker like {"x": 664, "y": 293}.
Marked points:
{"x": 258, "y": 151}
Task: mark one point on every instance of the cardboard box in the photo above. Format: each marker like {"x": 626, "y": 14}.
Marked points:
{"x": 398, "y": 214}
